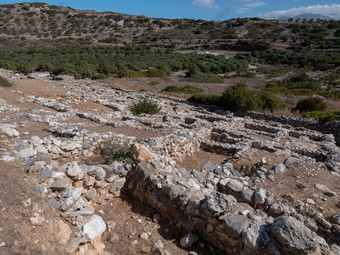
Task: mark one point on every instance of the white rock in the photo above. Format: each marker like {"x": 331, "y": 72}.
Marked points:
{"x": 94, "y": 227}
{"x": 11, "y": 132}
{"x": 26, "y": 153}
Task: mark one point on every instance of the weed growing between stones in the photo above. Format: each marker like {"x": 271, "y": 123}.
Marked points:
{"x": 112, "y": 151}
{"x": 145, "y": 106}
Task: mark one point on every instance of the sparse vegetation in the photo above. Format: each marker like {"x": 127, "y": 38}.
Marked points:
{"x": 145, "y": 106}
{"x": 311, "y": 104}
{"x": 153, "y": 83}
{"x": 112, "y": 151}
{"x": 4, "y": 82}
{"x": 323, "y": 116}
{"x": 185, "y": 90}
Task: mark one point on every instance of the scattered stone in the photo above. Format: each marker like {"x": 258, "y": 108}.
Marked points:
{"x": 144, "y": 236}
{"x": 60, "y": 184}
{"x": 43, "y": 176}
{"x": 37, "y": 221}
{"x": 188, "y": 240}
{"x": 235, "y": 186}
{"x": 279, "y": 169}
{"x": 260, "y": 196}
{"x": 94, "y": 227}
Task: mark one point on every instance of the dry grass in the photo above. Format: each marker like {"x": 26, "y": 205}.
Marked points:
{"x": 333, "y": 105}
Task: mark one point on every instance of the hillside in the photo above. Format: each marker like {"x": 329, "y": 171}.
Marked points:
{"x": 42, "y": 25}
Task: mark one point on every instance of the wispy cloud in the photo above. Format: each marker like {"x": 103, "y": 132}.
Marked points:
{"x": 206, "y": 4}
{"x": 247, "y": 5}
{"x": 332, "y": 10}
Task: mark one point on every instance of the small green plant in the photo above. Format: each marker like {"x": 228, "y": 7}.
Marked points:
{"x": 112, "y": 151}
{"x": 4, "y": 82}
{"x": 145, "y": 106}
{"x": 153, "y": 83}
{"x": 185, "y": 90}
{"x": 311, "y": 104}
{"x": 143, "y": 90}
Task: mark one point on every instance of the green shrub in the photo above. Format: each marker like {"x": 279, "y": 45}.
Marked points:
{"x": 311, "y": 104}
{"x": 185, "y": 90}
{"x": 143, "y": 90}
{"x": 4, "y": 82}
{"x": 323, "y": 116}
{"x": 152, "y": 83}
{"x": 154, "y": 72}
{"x": 204, "y": 78}
{"x": 112, "y": 151}
{"x": 145, "y": 106}
{"x": 239, "y": 98}
{"x": 99, "y": 76}
{"x": 268, "y": 101}
{"x": 130, "y": 74}
{"x": 302, "y": 92}
{"x": 205, "y": 99}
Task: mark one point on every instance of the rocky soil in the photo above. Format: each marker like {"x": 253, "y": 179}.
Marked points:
{"x": 203, "y": 182}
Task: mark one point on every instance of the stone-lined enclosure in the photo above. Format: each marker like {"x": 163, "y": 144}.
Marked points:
{"x": 238, "y": 205}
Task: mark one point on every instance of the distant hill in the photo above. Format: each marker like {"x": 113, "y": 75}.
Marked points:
{"x": 39, "y": 25}
{"x": 307, "y": 16}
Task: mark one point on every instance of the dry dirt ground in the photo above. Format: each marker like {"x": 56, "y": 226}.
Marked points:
{"x": 19, "y": 201}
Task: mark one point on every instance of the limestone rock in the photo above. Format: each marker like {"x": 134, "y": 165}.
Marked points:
{"x": 294, "y": 237}
{"x": 234, "y": 223}
{"x": 94, "y": 227}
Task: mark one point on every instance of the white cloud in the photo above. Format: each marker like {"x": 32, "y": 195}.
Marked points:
{"x": 254, "y": 4}
{"x": 206, "y": 4}
{"x": 332, "y": 11}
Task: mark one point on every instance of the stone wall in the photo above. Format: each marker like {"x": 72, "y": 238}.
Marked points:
{"x": 218, "y": 217}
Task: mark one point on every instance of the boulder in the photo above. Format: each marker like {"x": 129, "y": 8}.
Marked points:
{"x": 294, "y": 237}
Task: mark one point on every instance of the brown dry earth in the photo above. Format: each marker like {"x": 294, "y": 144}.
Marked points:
{"x": 19, "y": 201}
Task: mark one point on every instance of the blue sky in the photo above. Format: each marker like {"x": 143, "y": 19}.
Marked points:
{"x": 206, "y": 9}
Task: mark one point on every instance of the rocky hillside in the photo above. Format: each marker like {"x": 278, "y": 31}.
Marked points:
{"x": 42, "y": 25}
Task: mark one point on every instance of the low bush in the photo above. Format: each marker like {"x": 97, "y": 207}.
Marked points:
{"x": 239, "y": 98}
{"x": 4, "y": 82}
{"x": 302, "y": 92}
{"x": 154, "y": 72}
{"x": 130, "y": 74}
{"x": 311, "y": 104}
{"x": 205, "y": 99}
{"x": 112, "y": 151}
{"x": 152, "y": 83}
{"x": 204, "y": 78}
{"x": 145, "y": 106}
{"x": 323, "y": 116}
{"x": 185, "y": 90}
{"x": 269, "y": 102}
